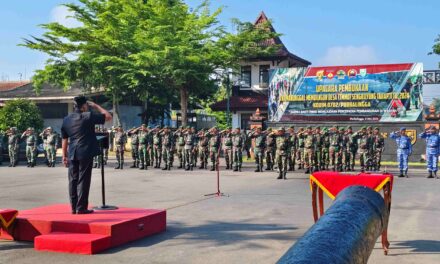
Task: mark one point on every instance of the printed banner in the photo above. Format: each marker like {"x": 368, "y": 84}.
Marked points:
{"x": 382, "y": 93}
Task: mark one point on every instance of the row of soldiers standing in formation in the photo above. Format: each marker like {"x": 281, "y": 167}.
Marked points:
{"x": 50, "y": 141}
{"x": 152, "y": 146}
{"x": 314, "y": 149}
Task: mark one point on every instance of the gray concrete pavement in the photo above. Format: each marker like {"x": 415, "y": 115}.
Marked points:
{"x": 258, "y": 220}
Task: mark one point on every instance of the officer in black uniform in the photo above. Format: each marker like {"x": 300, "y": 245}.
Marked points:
{"x": 79, "y": 146}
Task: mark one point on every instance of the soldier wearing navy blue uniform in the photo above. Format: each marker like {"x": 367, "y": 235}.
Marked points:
{"x": 432, "y": 139}
{"x": 79, "y": 146}
{"x": 404, "y": 150}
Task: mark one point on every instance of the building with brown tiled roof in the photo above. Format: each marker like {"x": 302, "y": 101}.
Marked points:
{"x": 249, "y": 91}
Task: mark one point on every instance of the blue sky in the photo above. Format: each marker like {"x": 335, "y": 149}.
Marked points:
{"x": 323, "y": 32}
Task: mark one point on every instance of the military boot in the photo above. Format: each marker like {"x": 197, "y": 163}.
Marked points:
{"x": 430, "y": 175}
{"x": 202, "y": 166}
{"x": 307, "y": 171}
{"x": 258, "y": 169}
{"x": 435, "y": 174}
{"x": 284, "y": 175}
{"x": 134, "y": 165}
{"x": 406, "y": 173}
{"x": 165, "y": 168}
{"x": 212, "y": 168}
{"x": 180, "y": 166}
{"x": 187, "y": 168}
{"x": 95, "y": 165}
{"x": 280, "y": 176}
{"x": 401, "y": 174}
{"x": 118, "y": 167}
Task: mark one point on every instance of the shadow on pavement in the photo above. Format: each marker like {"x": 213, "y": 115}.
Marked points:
{"x": 416, "y": 247}
{"x": 221, "y": 233}
{"x": 13, "y": 245}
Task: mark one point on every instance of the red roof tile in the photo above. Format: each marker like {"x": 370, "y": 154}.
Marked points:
{"x": 6, "y": 86}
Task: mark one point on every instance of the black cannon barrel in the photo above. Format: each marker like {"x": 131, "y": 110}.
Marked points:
{"x": 346, "y": 233}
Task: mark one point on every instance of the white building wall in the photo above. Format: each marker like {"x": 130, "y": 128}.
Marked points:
{"x": 255, "y": 71}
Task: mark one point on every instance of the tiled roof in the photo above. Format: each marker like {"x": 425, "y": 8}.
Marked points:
{"x": 242, "y": 103}
{"x": 6, "y": 86}
{"x": 283, "y": 51}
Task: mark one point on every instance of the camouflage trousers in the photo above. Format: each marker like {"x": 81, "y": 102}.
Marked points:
{"x": 270, "y": 159}
{"x": 308, "y": 157}
{"x": 259, "y": 157}
{"x": 180, "y": 155}
{"x": 325, "y": 158}
{"x": 363, "y": 158}
{"x": 237, "y": 156}
{"x": 292, "y": 158}
{"x": 135, "y": 149}
{"x": 51, "y": 153}
{"x": 167, "y": 155}
{"x": 213, "y": 154}
{"x": 300, "y": 157}
{"x": 377, "y": 158}
{"x": 31, "y": 154}
{"x": 119, "y": 154}
{"x": 318, "y": 159}
{"x": 281, "y": 159}
{"x": 157, "y": 154}
{"x": 13, "y": 154}
{"x": 227, "y": 152}
{"x": 335, "y": 157}
{"x": 144, "y": 155}
{"x": 189, "y": 157}
{"x": 203, "y": 156}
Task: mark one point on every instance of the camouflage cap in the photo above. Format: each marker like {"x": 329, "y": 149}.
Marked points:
{"x": 325, "y": 129}
{"x": 364, "y": 127}
{"x": 349, "y": 127}
{"x": 341, "y": 129}
{"x": 318, "y": 127}
{"x": 292, "y": 127}
{"x": 281, "y": 129}
{"x": 269, "y": 129}
{"x": 309, "y": 127}
{"x": 376, "y": 128}
{"x": 49, "y": 128}
{"x": 369, "y": 127}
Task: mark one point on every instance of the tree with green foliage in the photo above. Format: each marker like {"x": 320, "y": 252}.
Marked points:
{"x": 20, "y": 113}
{"x": 162, "y": 51}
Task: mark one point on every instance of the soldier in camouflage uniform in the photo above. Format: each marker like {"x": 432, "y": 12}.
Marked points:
{"x": 2, "y": 137}
{"x": 190, "y": 140}
{"x": 31, "y": 146}
{"x": 300, "y": 150}
{"x": 157, "y": 147}
{"x": 335, "y": 148}
{"x": 196, "y": 148}
{"x": 133, "y": 134}
{"x": 120, "y": 141}
{"x": 293, "y": 147}
{"x": 167, "y": 147}
{"x": 259, "y": 145}
{"x": 309, "y": 147}
{"x": 214, "y": 146}
{"x": 179, "y": 135}
{"x": 352, "y": 149}
{"x": 226, "y": 137}
{"x": 319, "y": 144}
{"x": 282, "y": 147}
{"x": 345, "y": 150}
{"x": 203, "y": 150}
{"x": 325, "y": 149}
{"x": 364, "y": 145}
{"x": 237, "y": 149}
{"x": 270, "y": 149}
{"x": 144, "y": 153}
{"x": 51, "y": 148}
{"x": 13, "y": 146}
{"x": 44, "y": 137}
{"x": 378, "y": 143}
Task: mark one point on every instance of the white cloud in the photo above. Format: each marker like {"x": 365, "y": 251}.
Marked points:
{"x": 62, "y": 15}
{"x": 349, "y": 55}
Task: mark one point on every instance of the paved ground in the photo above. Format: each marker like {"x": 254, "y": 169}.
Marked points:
{"x": 258, "y": 220}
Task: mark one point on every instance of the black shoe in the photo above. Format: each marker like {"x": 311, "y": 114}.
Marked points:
{"x": 10, "y": 165}
{"x": 201, "y": 167}
{"x": 32, "y": 165}
{"x": 284, "y": 176}
{"x": 28, "y": 165}
{"x": 73, "y": 212}
{"x": 118, "y": 167}
{"x": 267, "y": 168}
{"x": 187, "y": 168}
{"x": 95, "y": 166}
{"x": 257, "y": 170}
{"x": 280, "y": 177}
{"x": 85, "y": 212}
{"x": 307, "y": 171}
{"x": 165, "y": 168}
{"x": 191, "y": 167}
{"x": 212, "y": 169}
{"x": 133, "y": 166}
{"x": 430, "y": 175}
{"x": 142, "y": 167}
{"x": 53, "y": 164}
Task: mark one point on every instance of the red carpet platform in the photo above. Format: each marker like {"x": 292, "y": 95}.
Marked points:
{"x": 54, "y": 228}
